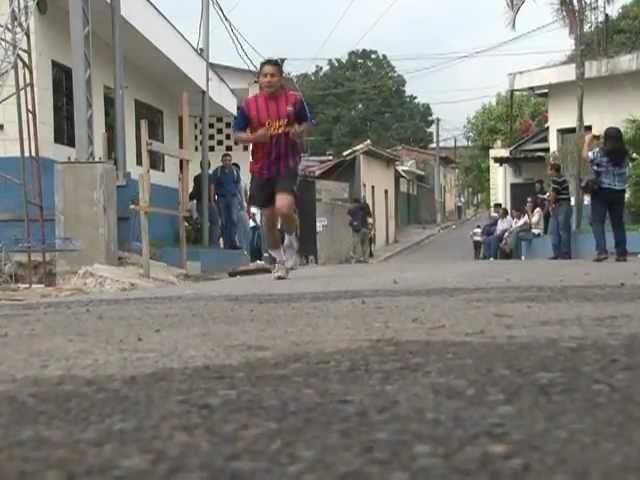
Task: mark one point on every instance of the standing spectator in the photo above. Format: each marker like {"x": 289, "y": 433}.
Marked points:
{"x": 359, "y": 215}
{"x": 476, "y": 238}
{"x": 226, "y": 190}
{"x": 561, "y": 214}
{"x": 492, "y": 243}
{"x": 214, "y": 218}
{"x": 242, "y": 221}
{"x": 610, "y": 165}
{"x": 541, "y": 199}
{"x": 489, "y": 228}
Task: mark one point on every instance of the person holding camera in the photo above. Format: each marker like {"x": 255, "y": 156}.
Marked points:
{"x": 607, "y": 187}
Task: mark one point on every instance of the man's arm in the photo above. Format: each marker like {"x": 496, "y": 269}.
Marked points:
{"x": 241, "y": 130}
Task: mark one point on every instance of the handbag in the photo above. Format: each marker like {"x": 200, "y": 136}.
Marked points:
{"x": 592, "y": 184}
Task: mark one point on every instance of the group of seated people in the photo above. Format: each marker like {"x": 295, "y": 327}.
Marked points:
{"x": 503, "y": 235}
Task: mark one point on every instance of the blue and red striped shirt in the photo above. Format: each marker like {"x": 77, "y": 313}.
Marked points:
{"x": 278, "y": 113}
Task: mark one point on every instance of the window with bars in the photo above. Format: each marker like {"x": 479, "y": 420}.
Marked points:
{"x": 155, "y": 122}
{"x": 63, "y": 116}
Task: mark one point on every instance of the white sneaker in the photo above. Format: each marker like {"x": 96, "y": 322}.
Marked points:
{"x": 280, "y": 271}
{"x": 290, "y": 249}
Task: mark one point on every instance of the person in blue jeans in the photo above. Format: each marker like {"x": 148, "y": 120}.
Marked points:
{"x": 561, "y": 214}
{"x": 610, "y": 165}
{"x": 226, "y": 190}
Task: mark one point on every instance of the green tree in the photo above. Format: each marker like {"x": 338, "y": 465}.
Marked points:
{"x": 622, "y": 34}
{"x": 499, "y": 121}
{"x": 632, "y": 138}
{"x": 496, "y": 121}
{"x": 360, "y": 98}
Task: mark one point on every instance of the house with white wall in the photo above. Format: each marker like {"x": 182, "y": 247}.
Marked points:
{"x": 612, "y": 95}
{"x": 160, "y": 64}
{"x": 370, "y": 172}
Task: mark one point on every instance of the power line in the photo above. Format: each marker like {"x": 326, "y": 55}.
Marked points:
{"x": 461, "y": 100}
{"x": 335, "y": 27}
{"x": 437, "y": 56}
{"x": 238, "y": 32}
{"x": 441, "y": 66}
{"x": 377, "y": 21}
{"x": 240, "y": 50}
{"x": 200, "y": 27}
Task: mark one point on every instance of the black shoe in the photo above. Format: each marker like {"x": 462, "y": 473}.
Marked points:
{"x": 601, "y": 257}
{"x": 555, "y": 257}
{"x": 565, "y": 258}
{"x": 621, "y": 259}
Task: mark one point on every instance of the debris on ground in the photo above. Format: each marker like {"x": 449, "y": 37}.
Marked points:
{"x": 119, "y": 279}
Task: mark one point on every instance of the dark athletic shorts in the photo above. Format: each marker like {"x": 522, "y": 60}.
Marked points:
{"x": 262, "y": 191}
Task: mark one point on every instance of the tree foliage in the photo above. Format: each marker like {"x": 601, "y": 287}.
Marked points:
{"x": 632, "y": 138}
{"x": 491, "y": 124}
{"x": 360, "y": 98}
{"x": 622, "y": 32}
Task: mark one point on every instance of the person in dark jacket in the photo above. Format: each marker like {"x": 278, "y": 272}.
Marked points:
{"x": 214, "y": 218}
{"x": 359, "y": 215}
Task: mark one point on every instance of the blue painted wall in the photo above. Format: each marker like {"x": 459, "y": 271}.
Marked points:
{"x": 12, "y": 205}
{"x": 162, "y": 228}
{"x": 583, "y": 245}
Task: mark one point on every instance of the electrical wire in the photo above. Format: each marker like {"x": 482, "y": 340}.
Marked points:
{"x": 237, "y": 44}
{"x": 335, "y": 27}
{"x": 200, "y": 27}
{"x": 237, "y": 31}
{"x": 441, "y": 66}
{"x": 376, "y": 22}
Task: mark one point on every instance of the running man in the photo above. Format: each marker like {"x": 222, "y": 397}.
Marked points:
{"x": 274, "y": 121}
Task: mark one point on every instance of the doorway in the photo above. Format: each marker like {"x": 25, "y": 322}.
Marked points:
{"x": 386, "y": 216}
{"x": 519, "y": 194}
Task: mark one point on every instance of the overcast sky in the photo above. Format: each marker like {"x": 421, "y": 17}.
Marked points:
{"x": 412, "y": 28}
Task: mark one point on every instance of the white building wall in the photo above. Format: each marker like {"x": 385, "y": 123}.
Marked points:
{"x": 51, "y": 43}
{"x": 381, "y": 175}
{"x": 609, "y": 101}
{"x": 52, "y": 33}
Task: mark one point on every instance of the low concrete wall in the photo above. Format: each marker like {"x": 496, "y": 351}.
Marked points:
{"x": 334, "y": 233}
{"x": 583, "y": 245}
{"x": 86, "y": 210}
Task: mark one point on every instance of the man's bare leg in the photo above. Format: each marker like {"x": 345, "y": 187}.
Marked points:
{"x": 285, "y": 209}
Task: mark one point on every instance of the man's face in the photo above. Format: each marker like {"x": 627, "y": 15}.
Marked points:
{"x": 538, "y": 188}
{"x": 270, "y": 79}
{"x": 552, "y": 173}
{"x": 227, "y": 161}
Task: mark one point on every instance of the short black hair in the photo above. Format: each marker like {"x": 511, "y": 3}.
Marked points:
{"x": 225, "y": 155}
{"x": 540, "y": 182}
{"x": 556, "y": 167}
{"x": 271, "y": 62}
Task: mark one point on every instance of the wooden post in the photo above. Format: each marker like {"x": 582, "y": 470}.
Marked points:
{"x": 144, "y": 193}
{"x": 184, "y": 180}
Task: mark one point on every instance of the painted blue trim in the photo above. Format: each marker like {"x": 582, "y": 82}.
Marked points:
{"x": 163, "y": 228}
{"x": 212, "y": 260}
{"x": 583, "y": 245}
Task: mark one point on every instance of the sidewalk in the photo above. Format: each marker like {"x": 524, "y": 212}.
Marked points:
{"x": 409, "y": 237}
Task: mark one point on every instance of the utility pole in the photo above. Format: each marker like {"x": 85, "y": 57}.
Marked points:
{"x": 436, "y": 182}
{"x": 118, "y": 91}
{"x": 580, "y": 81}
{"x": 82, "y": 55}
{"x": 204, "y": 166}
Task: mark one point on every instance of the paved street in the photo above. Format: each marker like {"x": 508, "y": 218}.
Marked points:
{"x": 426, "y": 366}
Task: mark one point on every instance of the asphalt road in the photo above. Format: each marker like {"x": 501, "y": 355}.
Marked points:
{"x": 429, "y": 366}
